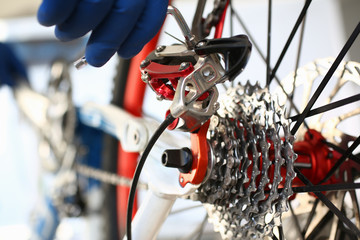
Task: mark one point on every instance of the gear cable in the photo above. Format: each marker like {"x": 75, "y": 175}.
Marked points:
{"x": 168, "y": 120}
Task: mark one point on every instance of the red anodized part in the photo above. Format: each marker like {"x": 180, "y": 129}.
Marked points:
{"x": 315, "y": 160}
{"x": 312, "y": 151}
{"x": 159, "y": 72}
{"x": 163, "y": 79}
{"x": 200, "y": 150}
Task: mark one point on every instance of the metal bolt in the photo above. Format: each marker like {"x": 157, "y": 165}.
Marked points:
{"x": 160, "y": 97}
{"x": 208, "y": 72}
{"x": 145, "y": 77}
{"x": 160, "y": 48}
{"x": 200, "y": 44}
{"x": 181, "y": 179}
{"x": 80, "y": 63}
{"x": 144, "y": 63}
{"x": 184, "y": 65}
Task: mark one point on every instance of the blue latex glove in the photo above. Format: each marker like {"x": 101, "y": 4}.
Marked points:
{"x": 122, "y": 26}
{"x": 11, "y": 68}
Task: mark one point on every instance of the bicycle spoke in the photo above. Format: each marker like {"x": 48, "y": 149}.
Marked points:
{"x": 301, "y": 39}
{"x": 346, "y": 232}
{"x": 310, "y": 217}
{"x": 291, "y": 37}
{"x": 334, "y": 230}
{"x": 329, "y": 107}
{"x": 342, "y": 151}
{"x": 355, "y": 206}
{"x": 341, "y": 160}
{"x": 297, "y": 225}
{"x": 231, "y": 27}
{"x": 338, "y": 85}
{"x": 275, "y": 238}
{"x": 256, "y": 46}
{"x": 320, "y": 225}
{"x": 281, "y": 233}
{"x": 268, "y": 56}
{"x": 329, "y": 204}
{"x": 326, "y": 79}
{"x": 231, "y": 18}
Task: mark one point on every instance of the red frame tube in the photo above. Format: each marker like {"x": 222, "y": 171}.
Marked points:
{"x": 220, "y": 26}
{"x": 133, "y": 102}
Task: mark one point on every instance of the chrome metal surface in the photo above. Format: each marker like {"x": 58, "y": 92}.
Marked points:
{"x": 189, "y": 38}
{"x": 79, "y": 64}
{"x": 346, "y": 79}
{"x": 207, "y": 73}
{"x": 248, "y": 119}
{"x": 174, "y": 51}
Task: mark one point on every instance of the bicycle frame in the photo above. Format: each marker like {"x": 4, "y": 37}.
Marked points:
{"x": 164, "y": 188}
{"x": 134, "y": 131}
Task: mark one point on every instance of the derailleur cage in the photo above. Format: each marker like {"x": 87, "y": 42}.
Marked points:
{"x": 189, "y": 77}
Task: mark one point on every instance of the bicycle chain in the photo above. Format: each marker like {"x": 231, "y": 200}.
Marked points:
{"x": 105, "y": 176}
{"x": 241, "y": 133}
{"x": 213, "y": 18}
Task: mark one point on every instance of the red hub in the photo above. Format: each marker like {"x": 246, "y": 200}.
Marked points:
{"x": 316, "y": 159}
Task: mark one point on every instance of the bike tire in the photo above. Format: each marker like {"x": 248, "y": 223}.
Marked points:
{"x": 110, "y": 156}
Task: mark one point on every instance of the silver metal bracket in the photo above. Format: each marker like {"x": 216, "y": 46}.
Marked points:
{"x": 207, "y": 73}
{"x": 189, "y": 37}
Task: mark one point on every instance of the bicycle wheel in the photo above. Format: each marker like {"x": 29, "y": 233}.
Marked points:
{"x": 229, "y": 222}
{"x": 247, "y": 208}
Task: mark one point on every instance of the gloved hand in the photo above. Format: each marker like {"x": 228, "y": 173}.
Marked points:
{"x": 11, "y": 68}
{"x": 122, "y": 26}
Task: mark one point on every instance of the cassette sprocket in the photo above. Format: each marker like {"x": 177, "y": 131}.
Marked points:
{"x": 252, "y": 149}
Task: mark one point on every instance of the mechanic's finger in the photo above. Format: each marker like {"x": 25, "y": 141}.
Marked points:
{"x": 146, "y": 28}
{"x": 17, "y": 68}
{"x": 106, "y": 39}
{"x": 11, "y": 68}
{"x": 52, "y": 12}
{"x": 86, "y": 16}
{"x": 6, "y": 78}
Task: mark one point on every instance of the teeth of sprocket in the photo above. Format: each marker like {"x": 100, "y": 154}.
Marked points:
{"x": 241, "y": 194}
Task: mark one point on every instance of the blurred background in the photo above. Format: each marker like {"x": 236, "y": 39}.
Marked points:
{"x": 328, "y": 24}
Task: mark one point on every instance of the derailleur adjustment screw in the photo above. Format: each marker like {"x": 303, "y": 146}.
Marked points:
{"x": 160, "y": 48}
{"x": 200, "y": 44}
{"x": 184, "y": 65}
{"x": 160, "y": 97}
{"x": 145, "y": 77}
{"x": 178, "y": 158}
{"x": 144, "y": 63}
